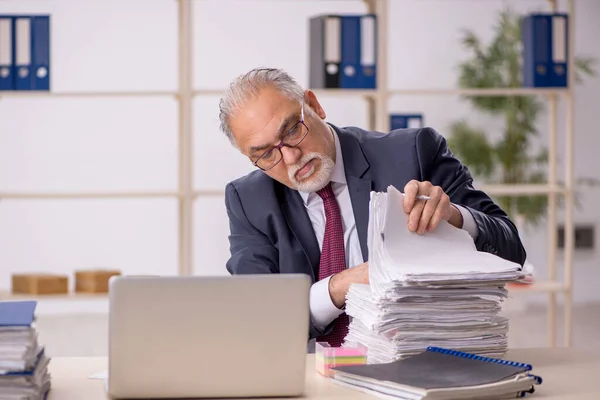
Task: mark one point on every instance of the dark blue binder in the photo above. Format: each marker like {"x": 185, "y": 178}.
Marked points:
{"x": 17, "y": 313}
{"x": 545, "y": 50}
{"x": 350, "y": 60}
{"x": 403, "y": 121}
{"x": 40, "y": 45}
{"x": 560, "y": 50}
{"x": 368, "y": 52}
{"x": 22, "y": 53}
{"x": 6, "y": 53}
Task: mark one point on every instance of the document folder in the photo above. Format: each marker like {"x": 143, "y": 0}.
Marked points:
{"x": 325, "y": 51}
{"x": 41, "y": 52}
{"x": 23, "y": 78}
{"x": 368, "y": 52}
{"x": 403, "y": 121}
{"x": 350, "y": 65}
{"x": 6, "y": 53}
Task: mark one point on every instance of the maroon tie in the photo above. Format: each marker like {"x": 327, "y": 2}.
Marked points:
{"x": 333, "y": 259}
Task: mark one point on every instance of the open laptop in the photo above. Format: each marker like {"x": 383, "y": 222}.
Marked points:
{"x": 199, "y": 337}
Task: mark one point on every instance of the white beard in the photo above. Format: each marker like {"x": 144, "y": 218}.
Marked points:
{"x": 314, "y": 180}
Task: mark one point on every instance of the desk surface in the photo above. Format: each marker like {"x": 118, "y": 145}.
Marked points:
{"x": 567, "y": 374}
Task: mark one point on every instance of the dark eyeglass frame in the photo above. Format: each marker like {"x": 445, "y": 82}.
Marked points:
{"x": 282, "y": 144}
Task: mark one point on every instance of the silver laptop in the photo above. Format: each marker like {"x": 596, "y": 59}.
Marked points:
{"x": 230, "y": 336}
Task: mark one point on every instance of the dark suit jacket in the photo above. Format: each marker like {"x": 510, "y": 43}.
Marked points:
{"x": 272, "y": 233}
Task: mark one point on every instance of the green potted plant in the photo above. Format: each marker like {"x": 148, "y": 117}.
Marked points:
{"x": 510, "y": 159}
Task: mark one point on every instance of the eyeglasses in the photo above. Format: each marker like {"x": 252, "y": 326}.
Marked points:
{"x": 292, "y": 138}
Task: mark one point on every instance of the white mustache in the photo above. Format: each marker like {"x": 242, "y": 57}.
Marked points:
{"x": 300, "y": 164}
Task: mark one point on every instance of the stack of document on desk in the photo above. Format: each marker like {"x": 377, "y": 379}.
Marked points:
{"x": 23, "y": 363}
{"x": 426, "y": 290}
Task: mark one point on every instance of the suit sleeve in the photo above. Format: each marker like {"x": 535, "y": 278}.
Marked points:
{"x": 251, "y": 251}
{"x": 496, "y": 232}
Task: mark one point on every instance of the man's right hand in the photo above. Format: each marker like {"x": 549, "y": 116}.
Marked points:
{"x": 340, "y": 282}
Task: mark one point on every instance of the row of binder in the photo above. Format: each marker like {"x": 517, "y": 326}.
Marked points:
{"x": 24, "y": 52}
{"x": 343, "y": 51}
{"x": 545, "y": 50}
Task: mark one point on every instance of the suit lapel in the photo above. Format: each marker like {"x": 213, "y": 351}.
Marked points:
{"x": 360, "y": 192}
{"x": 359, "y": 185}
{"x": 299, "y": 222}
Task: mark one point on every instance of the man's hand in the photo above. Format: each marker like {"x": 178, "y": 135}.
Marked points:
{"x": 425, "y": 215}
{"x": 340, "y": 282}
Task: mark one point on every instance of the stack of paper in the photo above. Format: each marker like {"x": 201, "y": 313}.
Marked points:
{"x": 426, "y": 290}
{"x": 23, "y": 363}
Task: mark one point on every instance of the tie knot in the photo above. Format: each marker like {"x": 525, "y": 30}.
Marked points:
{"x": 326, "y": 192}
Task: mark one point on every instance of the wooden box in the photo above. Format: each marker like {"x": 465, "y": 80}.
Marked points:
{"x": 34, "y": 283}
{"x": 93, "y": 281}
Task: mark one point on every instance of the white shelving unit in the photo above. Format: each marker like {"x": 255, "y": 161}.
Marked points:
{"x": 378, "y": 110}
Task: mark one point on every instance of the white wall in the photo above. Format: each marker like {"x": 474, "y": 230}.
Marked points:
{"x": 49, "y": 144}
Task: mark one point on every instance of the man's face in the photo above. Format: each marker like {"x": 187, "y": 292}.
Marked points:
{"x": 271, "y": 117}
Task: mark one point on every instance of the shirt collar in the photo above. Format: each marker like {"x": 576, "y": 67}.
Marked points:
{"x": 338, "y": 175}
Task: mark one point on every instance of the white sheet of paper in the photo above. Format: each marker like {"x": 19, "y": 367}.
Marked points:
{"x": 447, "y": 249}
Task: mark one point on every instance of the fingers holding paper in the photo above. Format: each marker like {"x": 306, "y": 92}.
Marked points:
{"x": 339, "y": 284}
{"x": 427, "y": 205}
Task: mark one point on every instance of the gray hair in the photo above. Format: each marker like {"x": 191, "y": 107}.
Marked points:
{"x": 249, "y": 85}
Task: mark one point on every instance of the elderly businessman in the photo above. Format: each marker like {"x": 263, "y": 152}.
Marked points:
{"x": 305, "y": 208}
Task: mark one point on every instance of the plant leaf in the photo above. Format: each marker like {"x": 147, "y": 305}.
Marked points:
{"x": 472, "y": 147}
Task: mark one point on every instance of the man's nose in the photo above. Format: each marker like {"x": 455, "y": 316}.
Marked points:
{"x": 290, "y": 154}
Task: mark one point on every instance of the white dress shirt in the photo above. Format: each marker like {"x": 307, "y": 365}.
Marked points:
{"x": 322, "y": 309}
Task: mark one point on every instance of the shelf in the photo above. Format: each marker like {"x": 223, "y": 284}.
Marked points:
{"x": 210, "y": 193}
{"x": 537, "y": 287}
{"x": 482, "y": 92}
{"x": 344, "y": 92}
{"x": 521, "y": 189}
{"x": 208, "y": 92}
{"x": 42, "y": 94}
{"x": 321, "y": 92}
{"x": 103, "y": 195}
{"x": 84, "y": 195}
{"x": 8, "y": 296}
{"x": 517, "y": 189}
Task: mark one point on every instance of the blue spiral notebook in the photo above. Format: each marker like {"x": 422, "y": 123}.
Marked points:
{"x": 439, "y": 373}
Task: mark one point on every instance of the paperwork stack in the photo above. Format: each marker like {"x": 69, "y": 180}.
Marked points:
{"x": 426, "y": 290}
{"x": 23, "y": 363}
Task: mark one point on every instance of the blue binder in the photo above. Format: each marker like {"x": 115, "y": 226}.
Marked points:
{"x": 6, "y": 53}
{"x": 545, "y": 50}
{"x": 368, "y": 52}
{"x": 358, "y": 66}
{"x": 560, "y": 50}
{"x": 350, "y": 60}
{"x": 17, "y": 313}
{"x": 403, "y": 121}
{"x": 22, "y": 53}
{"x": 40, "y": 28}
{"x": 30, "y": 52}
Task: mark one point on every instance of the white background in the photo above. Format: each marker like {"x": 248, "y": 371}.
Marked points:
{"x": 81, "y": 144}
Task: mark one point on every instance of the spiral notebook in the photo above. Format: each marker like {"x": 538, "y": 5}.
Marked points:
{"x": 439, "y": 373}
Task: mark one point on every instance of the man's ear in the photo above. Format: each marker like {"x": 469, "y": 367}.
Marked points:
{"x": 311, "y": 99}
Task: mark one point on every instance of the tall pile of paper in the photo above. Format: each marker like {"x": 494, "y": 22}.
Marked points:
{"x": 426, "y": 290}
{"x": 23, "y": 363}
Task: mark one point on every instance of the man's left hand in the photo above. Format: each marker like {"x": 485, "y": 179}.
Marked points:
{"x": 425, "y": 215}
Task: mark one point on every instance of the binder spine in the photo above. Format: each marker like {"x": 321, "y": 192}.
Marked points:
{"x": 456, "y": 353}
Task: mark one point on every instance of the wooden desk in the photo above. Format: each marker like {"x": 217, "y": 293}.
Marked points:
{"x": 567, "y": 374}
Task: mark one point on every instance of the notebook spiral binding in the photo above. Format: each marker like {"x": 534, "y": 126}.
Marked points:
{"x": 456, "y": 353}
